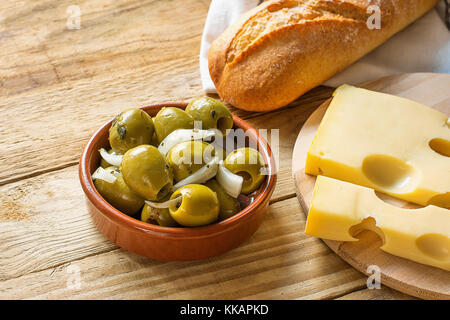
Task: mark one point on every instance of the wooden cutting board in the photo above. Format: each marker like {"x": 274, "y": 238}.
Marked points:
{"x": 406, "y": 276}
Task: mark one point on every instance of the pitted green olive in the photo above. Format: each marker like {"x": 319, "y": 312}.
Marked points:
{"x": 187, "y": 157}
{"x": 160, "y": 216}
{"x": 169, "y": 119}
{"x": 130, "y": 129}
{"x": 249, "y": 164}
{"x": 145, "y": 170}
{"x": 212, "y": 113}
{"x": 229, "y": 206}
{"x": 199, "y": 206}
{"x": 118, "y": 194}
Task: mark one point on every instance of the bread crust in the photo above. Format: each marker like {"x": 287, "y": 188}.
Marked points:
{"x": 283, "y": 48}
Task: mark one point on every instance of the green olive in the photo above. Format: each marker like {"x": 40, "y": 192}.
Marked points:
{"x": 199, "y": 206}
{"x": 249, "y": 164}
{"x": 145, "y": 170}
{"x": 118, "y": 194}
{"x": 187, "y": 157}
{"x": 170, "y": 119}
{"x": 130, "y": 129}
{"x": 229, "y": 206}
{"x": 212, "y": 113}
{"x": 160, "y": 216}
{"x": 104, "y": 163}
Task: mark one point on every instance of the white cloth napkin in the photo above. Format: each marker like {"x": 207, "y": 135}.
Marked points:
{"x": 424, "y": 46}
{"x": 221, "y": 14}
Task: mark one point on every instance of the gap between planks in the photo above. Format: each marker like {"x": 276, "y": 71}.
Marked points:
{"x": 37, "y": 173}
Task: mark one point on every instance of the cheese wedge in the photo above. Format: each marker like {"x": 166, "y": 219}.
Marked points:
{"x": 339, "y": 210}
{"x": 384, "y": 142}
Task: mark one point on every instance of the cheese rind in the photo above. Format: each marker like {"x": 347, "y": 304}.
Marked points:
{"x": 338, "y": 208}
{"x": 384, "y": 142}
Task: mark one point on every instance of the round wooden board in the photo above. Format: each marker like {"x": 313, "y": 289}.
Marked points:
{"x": 401, "y": 274}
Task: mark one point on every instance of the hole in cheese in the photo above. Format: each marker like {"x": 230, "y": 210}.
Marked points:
{"x": 440, "y": 146}
{"x": 369, "y": 224}
{"x": 390, "y": 173}
{"x": 441, "y": 200}
{"x": 434, "y": 245}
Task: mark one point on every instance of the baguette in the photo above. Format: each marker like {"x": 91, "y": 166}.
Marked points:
{"x": 283, "y": 48}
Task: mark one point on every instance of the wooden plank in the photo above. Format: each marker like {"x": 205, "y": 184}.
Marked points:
{"x": 284, "y": 188}
{"x": 58, "y": 86}
{"x": 384, "y": 293}
{"x": 278, "y": 262}
{"x": 41, "y": 50}
{"x": 44, "y": 222}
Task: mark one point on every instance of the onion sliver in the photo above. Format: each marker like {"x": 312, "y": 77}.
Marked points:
{"x": 164, "y": 205}
{"x": 230, "y": 182}
{"x": 182, "y": 135}
{"x": 102, "y": 174}
{"x": 112, "y": 158}
{"x": 208, "y": 171}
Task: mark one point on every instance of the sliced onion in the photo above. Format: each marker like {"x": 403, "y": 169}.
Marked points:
{"x": 208, "y": 171}
{"x": 230, "y": 182}
{"x": 164, "y": 205}
{"x": 102, "y": 174}
{"x": 182, "y": 135}
{"x": 112, "y": 158}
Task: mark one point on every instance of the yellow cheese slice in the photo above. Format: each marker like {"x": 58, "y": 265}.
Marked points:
{"x": 384, "y": 142}
{"x": 340, "y": 209}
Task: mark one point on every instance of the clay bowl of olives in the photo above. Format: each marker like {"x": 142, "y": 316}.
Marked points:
{"x": 145, "y": 196}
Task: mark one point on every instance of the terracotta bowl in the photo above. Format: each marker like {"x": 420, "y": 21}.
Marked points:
{"x": 168, "y": 243}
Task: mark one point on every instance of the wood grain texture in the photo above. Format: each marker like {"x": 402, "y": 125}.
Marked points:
{"x": 278, "y": 262}
{"x": 46, "y": 224}
{"x": 384, "y": 293}
{"x": 404, "y": 275}
{"x": 57, "y": 86}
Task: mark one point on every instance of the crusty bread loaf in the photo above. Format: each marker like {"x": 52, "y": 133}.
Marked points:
{"x": 283, "y": 48}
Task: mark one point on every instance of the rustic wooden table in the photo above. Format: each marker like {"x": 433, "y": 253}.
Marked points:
{"x": 58, "y": 85}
